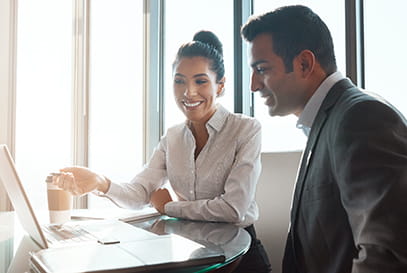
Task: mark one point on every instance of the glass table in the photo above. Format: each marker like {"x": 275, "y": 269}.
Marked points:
{"x": 229, "y": 240}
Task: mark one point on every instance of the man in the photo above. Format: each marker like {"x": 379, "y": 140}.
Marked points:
{"x": 349, "y": 210}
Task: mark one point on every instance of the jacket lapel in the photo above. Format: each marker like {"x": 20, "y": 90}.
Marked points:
{"x": 323, "y": 113}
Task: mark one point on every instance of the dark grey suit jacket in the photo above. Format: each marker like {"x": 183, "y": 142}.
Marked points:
{"x": 349, "y": 211}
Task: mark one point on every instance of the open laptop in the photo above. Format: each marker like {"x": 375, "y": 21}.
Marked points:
{"x": 104, "y": 231}
{"x": 111, "y": 238}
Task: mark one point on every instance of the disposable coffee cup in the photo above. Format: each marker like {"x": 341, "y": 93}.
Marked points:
{"x": 59, "y": 203}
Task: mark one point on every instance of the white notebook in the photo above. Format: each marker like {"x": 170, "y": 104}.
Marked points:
{"x": 125, "y": 215}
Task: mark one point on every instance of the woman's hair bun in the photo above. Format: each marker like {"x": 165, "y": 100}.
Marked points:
{"x": 208, "y": 37}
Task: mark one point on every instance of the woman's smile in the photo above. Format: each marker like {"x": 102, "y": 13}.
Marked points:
{"x": 191, "y": 105}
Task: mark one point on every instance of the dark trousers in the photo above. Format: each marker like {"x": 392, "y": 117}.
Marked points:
{"x": 256, "y": 259}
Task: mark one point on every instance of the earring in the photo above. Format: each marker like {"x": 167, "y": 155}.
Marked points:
{"x": 221, "y": 92}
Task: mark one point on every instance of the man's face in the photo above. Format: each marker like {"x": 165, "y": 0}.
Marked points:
{"x": 283, "y": 91}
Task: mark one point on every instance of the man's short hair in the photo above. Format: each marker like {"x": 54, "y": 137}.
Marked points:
{"x": 294, "y": 29}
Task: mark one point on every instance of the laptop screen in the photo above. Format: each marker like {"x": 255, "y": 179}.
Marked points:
{"x": 18, "y": 197}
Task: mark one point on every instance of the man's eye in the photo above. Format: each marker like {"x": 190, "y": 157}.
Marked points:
{"x": 260, "y": 70}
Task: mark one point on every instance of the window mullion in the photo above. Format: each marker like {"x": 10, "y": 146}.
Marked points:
{"x": 355, "y": 42}
{"x": 8, "y": 47}
{"x": 243, "y": 99}
{"x": 153, "y": 75}
{"x": 80, "y": 88}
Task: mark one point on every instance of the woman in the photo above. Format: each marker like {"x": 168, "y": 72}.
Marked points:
{"x": 212, "y": 160}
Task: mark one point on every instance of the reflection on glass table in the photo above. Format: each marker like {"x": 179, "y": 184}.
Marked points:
{"x": 227, "y": 238}
{"x": 214, "y": 238}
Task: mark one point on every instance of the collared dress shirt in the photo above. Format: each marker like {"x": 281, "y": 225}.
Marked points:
{"x": 219, "y": 185}
{"x": 310, "y": 111}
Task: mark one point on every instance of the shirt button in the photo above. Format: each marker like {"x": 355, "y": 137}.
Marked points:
{"x": 191, "y": 192}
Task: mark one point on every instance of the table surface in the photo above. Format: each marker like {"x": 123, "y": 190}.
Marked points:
{"x": 233, "y": 241}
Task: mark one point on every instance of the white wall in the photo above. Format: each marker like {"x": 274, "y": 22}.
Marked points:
{"x": 274, "y": 192}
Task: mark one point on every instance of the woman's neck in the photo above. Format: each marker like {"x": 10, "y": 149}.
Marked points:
{"x": 201, "y": 135}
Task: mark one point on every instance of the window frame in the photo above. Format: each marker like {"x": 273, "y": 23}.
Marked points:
{"x": 8, "y": 46}
{"x": 153, "y": 83}
{"x": 153, "y": 13}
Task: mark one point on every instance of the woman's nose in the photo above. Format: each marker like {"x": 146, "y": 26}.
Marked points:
{"x": 190, "y": 91}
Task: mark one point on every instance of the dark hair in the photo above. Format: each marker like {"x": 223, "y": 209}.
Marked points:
{"x": 293, "y": 29}
{"x": 205, "y": 44}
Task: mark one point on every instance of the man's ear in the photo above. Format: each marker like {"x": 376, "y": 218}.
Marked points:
{"x": 306, "y": 62}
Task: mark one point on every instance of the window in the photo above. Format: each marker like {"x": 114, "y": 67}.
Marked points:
{"x": 280, "y": 133}
{"x": 384, "y": 27}
{"x": 180, "y": 27}
{"x": 116, "y": 90}
{"x": 43, "y": 101}
{"x": 45, "y": 105}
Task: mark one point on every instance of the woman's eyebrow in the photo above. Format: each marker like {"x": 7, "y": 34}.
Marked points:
{"x": 200, "y": 75}
{"x": 179, "y": 75}
{"x": 194, "y": 76}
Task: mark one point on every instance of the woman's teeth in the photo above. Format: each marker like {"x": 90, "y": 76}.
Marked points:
{"x": 193, "y": 104}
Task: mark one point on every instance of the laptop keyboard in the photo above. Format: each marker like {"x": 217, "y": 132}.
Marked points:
{"x": 67, "y": 234}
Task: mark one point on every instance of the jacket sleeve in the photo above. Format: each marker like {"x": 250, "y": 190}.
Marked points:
{"x": 371, "y": 167}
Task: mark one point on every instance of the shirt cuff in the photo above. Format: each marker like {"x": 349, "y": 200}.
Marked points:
{"x": 171, "y": 209}
{"x": 113, "y": 191}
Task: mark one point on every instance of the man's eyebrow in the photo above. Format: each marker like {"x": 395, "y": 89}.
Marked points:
{"x": 179, "y": 75}
{"x": 257, "y": 63}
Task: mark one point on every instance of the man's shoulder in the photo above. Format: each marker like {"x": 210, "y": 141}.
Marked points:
{"x": 356, "y": 97}
{"x": 349, "y": 96}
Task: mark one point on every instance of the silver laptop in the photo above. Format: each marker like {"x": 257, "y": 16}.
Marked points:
{"x": 120, "y": 246}
{"x": 104, "y": 231}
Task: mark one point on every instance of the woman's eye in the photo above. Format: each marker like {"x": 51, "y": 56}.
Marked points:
{"x": 201, "y": 81}
{"x": 178, "y": 81}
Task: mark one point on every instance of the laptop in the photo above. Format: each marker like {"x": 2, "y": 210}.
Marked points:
{"x": 103, "y": 231}
{"x": 113, "y": 245}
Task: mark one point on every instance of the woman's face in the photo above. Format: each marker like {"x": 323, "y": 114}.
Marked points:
{"x": 196, "y": 89}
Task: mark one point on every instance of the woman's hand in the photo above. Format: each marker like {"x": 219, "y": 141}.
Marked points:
{"x": 80, "y": 180}
{"x": 159, "y": 198}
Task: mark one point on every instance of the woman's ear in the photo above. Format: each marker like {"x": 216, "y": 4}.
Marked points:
{"x": 221, "y": 87}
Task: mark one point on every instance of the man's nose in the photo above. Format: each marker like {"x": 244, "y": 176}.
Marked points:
{"x": 255, "y": 83}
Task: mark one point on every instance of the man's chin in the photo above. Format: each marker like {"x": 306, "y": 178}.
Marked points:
{"x": 273, "y": 112}
{"x": 276, "y": 113}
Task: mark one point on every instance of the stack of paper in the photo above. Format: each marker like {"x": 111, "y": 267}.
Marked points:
{"x": 125, "y": 215}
